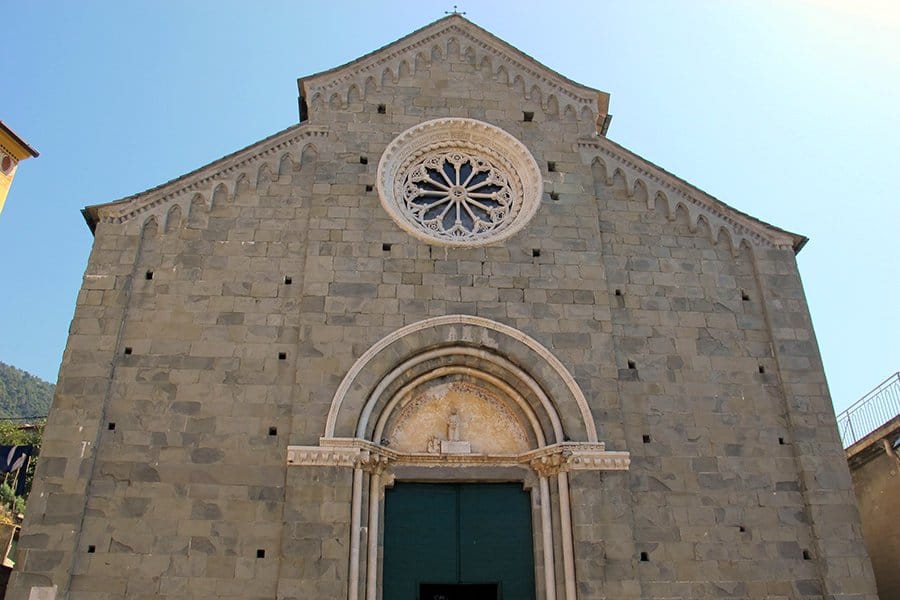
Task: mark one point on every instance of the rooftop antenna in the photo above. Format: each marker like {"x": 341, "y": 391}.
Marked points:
{"x": 454, "y": 11}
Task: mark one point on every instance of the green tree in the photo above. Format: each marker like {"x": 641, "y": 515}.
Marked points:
{"x": 23, "y": 394}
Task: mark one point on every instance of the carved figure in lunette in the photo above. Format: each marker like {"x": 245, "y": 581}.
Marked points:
{"x": 453, "y": 427}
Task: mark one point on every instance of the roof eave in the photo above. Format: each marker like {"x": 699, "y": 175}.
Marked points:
{"x": 16, "y": 138}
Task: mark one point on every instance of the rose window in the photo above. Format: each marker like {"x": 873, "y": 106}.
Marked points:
{"x": 457, "y": 195}
{"x": 459, "y": 182}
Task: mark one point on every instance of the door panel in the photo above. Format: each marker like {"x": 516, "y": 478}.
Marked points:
{"x": 420, "y": 538}
{"x": 495, "y": 538}
{"x": 438, "y": 537}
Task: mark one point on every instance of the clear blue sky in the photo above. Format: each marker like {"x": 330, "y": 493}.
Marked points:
{"x": 789, "y": 111}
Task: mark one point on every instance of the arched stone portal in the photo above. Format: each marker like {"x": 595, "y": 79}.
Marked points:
{"x": 461, "y": 399}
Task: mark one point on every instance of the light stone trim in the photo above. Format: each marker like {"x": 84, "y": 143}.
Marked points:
{"x": 657, "y": 183}
{"x": 42, "y": 593}
{"x": 548, "y": 460}
{"x": 206, "y": 177}
{"x": 471, "y": 137}
{"x": 412, "y": 328}
{"x": 362, "y": 456}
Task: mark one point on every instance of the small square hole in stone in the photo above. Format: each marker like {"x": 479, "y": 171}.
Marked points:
{"x": 762, "y": 369}
{"x": 260, "y": 553}
{"x": 128, "y": 350}
{"x": 528, "y": 116}
{"x": 551, "y": 166}
{"x": 554, "y": 196}
{"x": 781, "y": 441}
{"x": 807, "y": 555}
{"x": 382, "y": 109}
{"x": 386, "y": 247}
{"x": 745, "y": 296}
{"x": 111, "y": 426}
{"x": 646, "y": 438}
{"x": 148, "y": 275}
{"x": 742, "y": 529}
{"x": 273, "y": 431}
{"x": 288, "y": 280}
{"x": 535, "y": 252}
{"x": 91, "y": 549}
{"x": 363, "y": 160}
{"x": 369, "y": 187}
{"x": 645, "y": 557}
{"x": 632, "y": 365}
{"x": 619, "y": 293}
{"x": 282, "y": 356}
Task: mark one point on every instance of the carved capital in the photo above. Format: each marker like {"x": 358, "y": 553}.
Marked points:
{"x": 575, "y": 456}
{"x": 547, "y": 465}
{"x": 372, "y": 462}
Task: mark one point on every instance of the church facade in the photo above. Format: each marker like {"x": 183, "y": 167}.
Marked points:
{"x": 441, "y": 339}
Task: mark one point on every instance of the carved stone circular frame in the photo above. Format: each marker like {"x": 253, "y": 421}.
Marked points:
{"x": 472, "y": 138}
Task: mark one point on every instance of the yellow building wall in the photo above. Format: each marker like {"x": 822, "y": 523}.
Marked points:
{"x": 5, "y": 182}
{"x": 9, "y": 146}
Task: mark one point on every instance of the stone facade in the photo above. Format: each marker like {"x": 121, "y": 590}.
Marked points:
{"x": 244, "y": 331}
{"x": 874, "y": 466}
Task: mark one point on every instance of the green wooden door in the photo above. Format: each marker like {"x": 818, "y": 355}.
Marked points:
{"x": 457, "y": 534}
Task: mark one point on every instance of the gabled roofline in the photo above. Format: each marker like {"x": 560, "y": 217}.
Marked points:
{"x": 131, "y": 205}
{"x": 658, "y": 177}
{"x": 331, "y": 78}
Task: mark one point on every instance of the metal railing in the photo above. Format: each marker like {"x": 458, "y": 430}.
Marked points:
{"x": 871, "y": 411}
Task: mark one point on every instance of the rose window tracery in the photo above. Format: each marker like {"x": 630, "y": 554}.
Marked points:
{"x": 458, "y": 195}
{"x": 459, "y": 182}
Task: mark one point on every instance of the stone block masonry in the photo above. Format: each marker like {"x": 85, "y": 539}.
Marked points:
{"x": 681, "y": 321}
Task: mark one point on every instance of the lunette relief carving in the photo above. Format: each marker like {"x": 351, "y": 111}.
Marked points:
{"x": 457, "y": 417}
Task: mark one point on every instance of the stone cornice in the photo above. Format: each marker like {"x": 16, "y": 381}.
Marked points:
{"x": 548, "y": 460}
{"x": 224, "y": 168}
{"x": 657, "y": 182}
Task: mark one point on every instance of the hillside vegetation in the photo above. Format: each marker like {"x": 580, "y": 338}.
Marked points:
{"x": 23, "y": 394}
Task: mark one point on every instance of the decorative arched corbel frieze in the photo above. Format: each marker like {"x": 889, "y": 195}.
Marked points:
{"x": 223, "y": 172}
{"x": 610, "y": 162}
{"x": 264, "y": 176}
{"x": 456, "y": 37}
{"x": 173, "y": 218}
{"x": 221, "y": 195}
